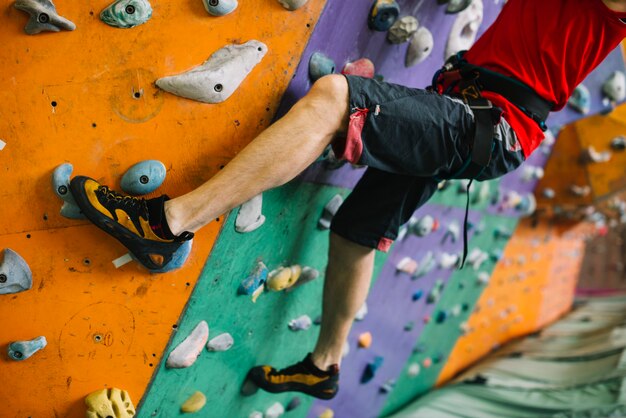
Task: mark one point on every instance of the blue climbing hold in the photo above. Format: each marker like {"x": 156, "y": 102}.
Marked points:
{"x": 417, "y": 295}
{"x": 371, "y": 369}
{"x": 220, "y": 7}
{"x": 320, "y": 65}
{"x": 409, "y": 326}
{"x": 254, "y": 281}
{"x": 61, "y": 182}
{"x": 441, "y": 317}
{"x": 15, "y": 274}
{"x": 580, "y": 99}
{"x": 383, "y": 15}
{"x": 144, "y": 177}
{"x": 178, "y": 258}
{"x": 21, "y": 350}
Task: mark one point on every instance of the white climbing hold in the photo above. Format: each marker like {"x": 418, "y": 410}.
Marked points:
{"x": 329, "y": 212}
{"x": 2, "y": 144}
{"x": 120, "y": 261}
{"x": 360, "y": 315}
{"x": 186, "y": 353}
{"x": 218, "y": 77}
{"x": 420, "y": 47}
{"x": 464, "y": 29}
{"x": 483, "y": 277}
{"x": 414, "y": 369}
{"x": 532, "y": 172}
{"x": 292, "y": 5}
{"x": 250, "y": 217}
{"x": 222, "y": 342}
{"x": 425, "y": 266}
{"x": 275, "y": 411}
{"x": 15, "y": 274}
{"x": 453, "y": 231}
{"x": 448, "y": 261}
{"x": 346, "y": 349}
{"x": 407, "y": 265}
{"x": 302, "y": 323}
{"x": 580, "y": 191}
{"x": 615, "y": 87}
{"x": 255, "y": 414}
{"x": 422, "y": 226}
{"x": 590, "y": 155}
{"x": 477, "y": 257}
{"x": 402, "y": 30}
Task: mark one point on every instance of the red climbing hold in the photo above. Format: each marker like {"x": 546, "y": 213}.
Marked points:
{"x": 363, "y": 67}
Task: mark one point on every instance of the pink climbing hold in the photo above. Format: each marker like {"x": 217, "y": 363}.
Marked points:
{"x": 362, "y": 67}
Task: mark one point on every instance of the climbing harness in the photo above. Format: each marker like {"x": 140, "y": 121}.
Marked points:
{"x": 458, "y": 78}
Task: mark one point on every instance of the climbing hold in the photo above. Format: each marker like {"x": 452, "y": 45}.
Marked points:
{"x": 419, "y": 348}
{"x": 448, "y": 261}
{"x": 219, "y": 76}
{"x": 250, "y": 217}
{"x": 387, "y": 386}
{"x": 407, "y": 265}
{"x": 110, "y": 402}
{"x": 425, "y": 266}
{"x": 435, "y": 292}
{"x": 61, "y": 182}
{"x": 590, "y": 155}
{"x": 127, "y": 13}
{"x": 417, "y": 295}
{"x": 477, "y": 257}
{"x": 453, "y": 231}
{"x": 15, "y": 275}
{"x": 328, "y": 413}
{"x": 320, "y": 65}
{"x": 427, "y": 362}
{"x": 71, "y": 211}
{"x": 43, "y": 17}
{"x": 483, "y": 194}
{"x": 178, "y": 258}
{"x": 501, "y": 233}
{"x": 308, "y": 274}
{"x": 438, "y": 358}
{"x": 222, "y": 342}
{"x": 496, "y": 255}
{"x": 548, "y": 193}
{"x": 402, "y": 30}
{"x": 143, "y": 177}
{"x": 329, "y": 212}
{"x": 254, "y": 281}
{"x": 464, "y": 29}
{"x": 580, "y": 99}
{"x": 362, "y": 67}
{"x": 274, "y": 411}
{"x": 483, "y": 277}
{"x": 345, "y": 349}
{"x": 409, "y": 326}
{"x": 219, "y": 7}
{"x": 383, "y": 14}
{"x": 615, "y": 87}
{"x": 360, "y": 315}
{"x": 532, "y": 172}
{"x": 455, "y": 311}
{"x": 293, "y": 404}
{"x": 186, "y": 353}
{"x": 456, "y": 6}
{"x": 371, "y": 369}
{"x": 283, "y": 277}
{"x": 441, "y": 317}
{"x": 580, "y": 191}
{"x": 420, "y": 46}
{"x": 257, "y": 293}
{"x": 365, "y": 340}
{"x": 292, "y": 5}
{"x": 618, "y": 143}
{"x": 302, "y": 323}
{"x": 21, "y": 350}
{"x": 414, "y": 369}
{"x": 255, "y": 414}
{"x": 194, "y": 403}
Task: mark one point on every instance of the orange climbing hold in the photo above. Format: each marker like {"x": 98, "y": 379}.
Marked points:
{"x": 365, "y": 340}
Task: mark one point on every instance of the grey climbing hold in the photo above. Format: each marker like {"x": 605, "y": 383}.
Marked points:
{"x": 435, "y": 292}
{"x": 477, "y": 257}
{"x": 71, "y": 211}
{"x": 422, "y": 226}
{"x": 186, "y": 353}
{"x": 464, "y": 29}
{"x": 222, "y": 342}
{"x": 308, "y": 274}
{"x": 61, "y": 187}
{"x": 292, "y": 5}
{"x": 615, "y": 87}
{"x": 590, "y": 155}
{"x": 21, "y": 350}
{"x": 425, "y": 266}
{"x": 329, "y": 212}
{"x": 388, "y": 386}
{"x": 402, "y": 30}
{"x": 274, "y": 411}
{"x": 143, "y": 177}
{"x": 448, "y": 261}
{"x": 548, "y": 193}
{"x": 361, "y": 313}
{"x": 250, "y": 217}
{"x": 254, "y": 281}
{"x": 420, "y": 47}
{"x": 301, "y": 323}
{"x": 456, "y": 6}
{"x": 15, "y": 275}
{"x": 320, "y": 65}
{"x": 219, "y": 76}
{"x": 580, "y": 100}
{"x": 618, "y": 143}
{"x": 219, "y": 7}
{"x": 43, "y": 17}
{"x": 127, "y": 13}
{"x": 293, "y": 404}
{"x": 453, "y": 232}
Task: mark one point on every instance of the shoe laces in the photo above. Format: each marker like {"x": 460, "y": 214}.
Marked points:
{"x": 128, "y": 203}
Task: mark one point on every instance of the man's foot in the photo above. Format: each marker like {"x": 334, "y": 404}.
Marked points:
{"x": 127, "y": 219}
{"x": 302, "y": 377}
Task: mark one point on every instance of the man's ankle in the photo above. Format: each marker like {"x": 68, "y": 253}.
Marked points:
{"x": 324, "y": 361}
{"x": 171, "y": 219}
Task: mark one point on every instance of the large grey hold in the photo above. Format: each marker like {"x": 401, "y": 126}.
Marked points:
{"x": 43, "y": 17}
{"x": 292, "y": 4}
{"x": 615, "y": 86}
{"x": 402, "y": 30}
{"x": 15, "y": 275}
{"x": 420, "y": 47}
{"x": 218, "y": 78}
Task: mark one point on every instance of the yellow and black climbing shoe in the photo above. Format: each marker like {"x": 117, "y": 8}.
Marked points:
{"x": 302, "y": 377}
{"x": 127, "y": 219}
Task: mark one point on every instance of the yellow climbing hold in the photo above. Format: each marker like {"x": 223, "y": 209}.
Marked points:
{"x": 195, "y": 403}
{"x": 327, "y": 414}
{"x": 283, "y": 277}
{"x": 105, "y": 403}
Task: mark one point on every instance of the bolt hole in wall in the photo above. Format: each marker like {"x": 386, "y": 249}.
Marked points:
{"x": 87, "y": 262}
{"x": 53, "y": 103}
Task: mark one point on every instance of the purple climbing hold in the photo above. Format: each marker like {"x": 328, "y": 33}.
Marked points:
{"x": 254, "y": 281}
{"x": 371, "y": 369}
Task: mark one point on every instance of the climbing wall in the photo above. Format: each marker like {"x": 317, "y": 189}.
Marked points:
{"x": 88, "y": 98}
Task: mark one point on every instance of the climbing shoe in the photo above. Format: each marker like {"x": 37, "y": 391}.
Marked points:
{"x": 127, "y": 219}
{"x": 302, "y": 377}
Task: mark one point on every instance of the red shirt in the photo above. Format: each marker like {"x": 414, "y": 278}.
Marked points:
{"x": 550, "y": 45}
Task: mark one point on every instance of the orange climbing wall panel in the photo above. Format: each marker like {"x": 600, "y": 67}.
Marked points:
{"x": 105, "y": 326}
{"x": 532, "y": 285}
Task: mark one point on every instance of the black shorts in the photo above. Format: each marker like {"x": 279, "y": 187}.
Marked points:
{"x": 409, "y": 139}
